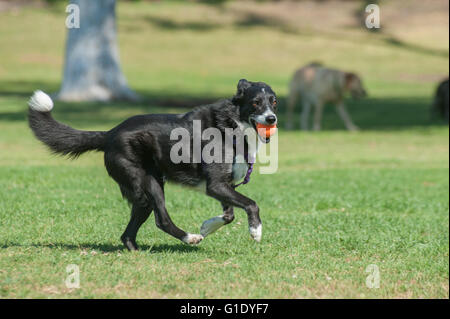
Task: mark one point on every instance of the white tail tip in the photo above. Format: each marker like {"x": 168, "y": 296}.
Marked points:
{"x": 40, "y": 102}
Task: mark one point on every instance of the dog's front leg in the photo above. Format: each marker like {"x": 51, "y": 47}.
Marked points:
{"x": 211, "y": 225}
{"x": 227, "y": 195}
{"x": 345, "y": 116}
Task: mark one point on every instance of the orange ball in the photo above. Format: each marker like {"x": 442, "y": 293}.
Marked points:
{"x": 266, "y": 130}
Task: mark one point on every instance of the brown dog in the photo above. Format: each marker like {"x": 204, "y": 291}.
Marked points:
{"x": 316, "y": 85}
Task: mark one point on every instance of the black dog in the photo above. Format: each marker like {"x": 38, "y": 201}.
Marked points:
{"x": 441, "y": 101}
{"x": 137, "y": 156}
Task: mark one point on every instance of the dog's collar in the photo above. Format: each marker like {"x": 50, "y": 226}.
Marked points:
{"x": 247, "y": 176}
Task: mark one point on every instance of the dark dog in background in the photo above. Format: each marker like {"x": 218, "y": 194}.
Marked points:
{"x": 314, "y": 85}
{"x": 137, "y": 157}
{"x": 441, "y": 101}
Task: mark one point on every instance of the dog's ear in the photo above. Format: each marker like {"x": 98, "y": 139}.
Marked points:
{"x": 241, "y": 87}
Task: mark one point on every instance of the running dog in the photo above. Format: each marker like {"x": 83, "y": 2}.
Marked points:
{"x": 137, "y": 155}
{"x": 316, "y": 85}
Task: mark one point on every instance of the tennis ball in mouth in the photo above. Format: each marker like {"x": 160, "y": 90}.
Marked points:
{"x": 266, "y": 130}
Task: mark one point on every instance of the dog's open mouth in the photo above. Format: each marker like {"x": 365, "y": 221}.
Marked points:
{"x": 264, "y": 131}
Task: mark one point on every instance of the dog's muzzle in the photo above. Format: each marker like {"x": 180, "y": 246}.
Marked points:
{"x": 268, "y": 121}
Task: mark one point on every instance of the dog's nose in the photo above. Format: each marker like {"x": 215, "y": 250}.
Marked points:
{"x": 270, "y": 119}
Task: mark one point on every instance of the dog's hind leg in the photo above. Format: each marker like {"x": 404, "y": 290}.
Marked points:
{"x": 131, "y": 180}
{"x": 305, "y": 115}
{"x": 211, "y": 225}
{"x": 318, "y": 116}
{"x": 138, "y": 216}
{"x": 145, "y": 192}
{"x": 156, "y": 191}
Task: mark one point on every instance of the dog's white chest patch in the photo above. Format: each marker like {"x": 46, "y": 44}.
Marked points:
{"x": 240, "y": 168}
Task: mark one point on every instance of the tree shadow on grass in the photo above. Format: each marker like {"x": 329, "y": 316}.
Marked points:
{"x": 109, "y": 248}
{"x": 173, "y": 25}
{"x": 246, "y": 19}
{"x": 415, "y": 47}
{"x": 389, "y": 113}
{"x": 24, "y": 89}
{"x": 98, "y": 113}
{"x": 376, "y": 114}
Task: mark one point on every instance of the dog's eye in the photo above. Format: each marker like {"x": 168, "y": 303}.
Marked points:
{"x": 274, "y": 104}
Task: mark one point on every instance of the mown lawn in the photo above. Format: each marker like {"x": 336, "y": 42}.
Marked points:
{"x": 338, "y": 203}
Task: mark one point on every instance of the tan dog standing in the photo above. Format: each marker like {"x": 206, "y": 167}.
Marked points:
{"x": 316, "y": 85}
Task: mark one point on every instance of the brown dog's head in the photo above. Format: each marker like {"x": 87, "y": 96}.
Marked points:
{"x": 354, "y": 85}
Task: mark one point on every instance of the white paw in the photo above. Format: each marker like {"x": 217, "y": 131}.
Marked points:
{"x": 256, "y": 232}
{"x": 192, "y": 239}
{"x": 211, "y": 225}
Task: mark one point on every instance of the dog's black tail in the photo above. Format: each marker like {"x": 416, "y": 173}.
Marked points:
{"x": 60, "y": 138}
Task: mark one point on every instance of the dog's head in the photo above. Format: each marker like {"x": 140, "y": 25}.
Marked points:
{"x": 354, "y": 85}
{"x": 258, "y": 105}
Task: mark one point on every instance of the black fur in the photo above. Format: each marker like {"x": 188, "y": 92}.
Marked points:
{"x": 441, "y": 100}
{"x": 137, "y": 156}
{"x": 63, "y": 139}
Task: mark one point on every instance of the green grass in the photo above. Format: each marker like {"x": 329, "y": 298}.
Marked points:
{"x": 338, "y": 203}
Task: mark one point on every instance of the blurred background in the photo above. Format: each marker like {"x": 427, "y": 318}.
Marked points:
{"x": 182, "y": 53}
{"x": 339, "y": 201}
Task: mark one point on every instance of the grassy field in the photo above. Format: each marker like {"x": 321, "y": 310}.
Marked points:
{"x": 338, "y": 203}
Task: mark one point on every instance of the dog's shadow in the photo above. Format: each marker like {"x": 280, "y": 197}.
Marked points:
{"x": 109, "y": 248}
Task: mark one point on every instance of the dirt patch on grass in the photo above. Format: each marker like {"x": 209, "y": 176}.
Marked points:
{"x": 298, "y": 15}
{"x": 14, "y": 5}
{"x": 39, "y": 58}
{"x": 421, "y": 78}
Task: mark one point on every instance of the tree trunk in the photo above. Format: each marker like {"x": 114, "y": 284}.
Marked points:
{"x": 92, "y": 68}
